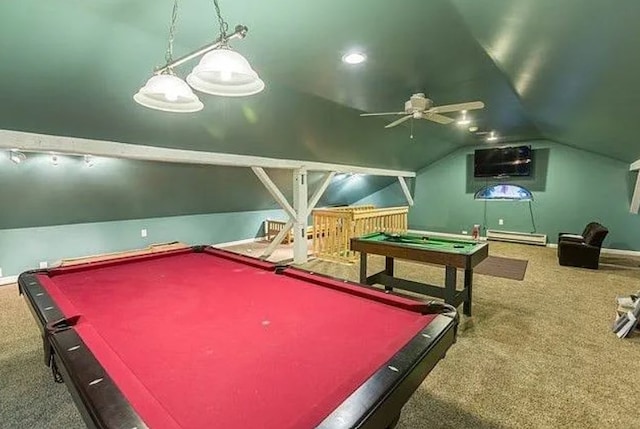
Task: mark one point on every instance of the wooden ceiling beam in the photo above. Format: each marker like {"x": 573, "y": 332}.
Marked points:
{"x": 31, "y": 142}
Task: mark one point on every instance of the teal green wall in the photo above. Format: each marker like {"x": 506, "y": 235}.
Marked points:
{"x": 571, "y": 187}
{"x": 67, "y": 210}
{"x": 37, "y": 193}
{"x": 24, "y": 248}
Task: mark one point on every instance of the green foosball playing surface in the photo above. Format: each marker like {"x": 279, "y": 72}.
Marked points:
{"x": 426, "y": 242}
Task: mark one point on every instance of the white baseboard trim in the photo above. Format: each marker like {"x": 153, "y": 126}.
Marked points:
{"x": 620, "y": 252}
{"x": 605, "y": 250}
{"x": 444, "y": 234}
{"x": 608, "y": 251}
{"x": 237, "y": 242}
{"x": 517, "y": 237}
{"x": 8, "y": 280}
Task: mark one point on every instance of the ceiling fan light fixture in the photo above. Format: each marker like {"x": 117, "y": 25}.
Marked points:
{"x": 226, "y": 73}
{"x": 354, "y": 58}
{"x": 463, "y": 119}
{"x": 420, "y": 107}
{"x": 168, "y": 93}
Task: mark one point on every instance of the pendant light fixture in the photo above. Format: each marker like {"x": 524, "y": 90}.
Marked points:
{"x": 225, "y": 72}
{"x": 221, "y": 71}
{"x": 165, "y": 91}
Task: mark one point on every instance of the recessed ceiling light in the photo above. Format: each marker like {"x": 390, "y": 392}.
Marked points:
{"x": 354, "y": 58}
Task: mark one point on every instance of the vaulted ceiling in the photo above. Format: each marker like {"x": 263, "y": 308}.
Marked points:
{"x": 565, "y": 71}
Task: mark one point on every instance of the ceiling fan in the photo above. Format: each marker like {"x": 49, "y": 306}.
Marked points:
{"x": 420, "y": 107}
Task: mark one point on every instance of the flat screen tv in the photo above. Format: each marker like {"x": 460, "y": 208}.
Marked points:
{"x": 503, "y": 162}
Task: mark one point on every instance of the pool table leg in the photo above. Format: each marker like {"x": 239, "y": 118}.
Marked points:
{"x": 363, "y": 268}
{"x": 394, "y": 422}
{"x": 388, "y": 270}
{"x": 468, "y": 282}
{"x": 450, "y": 285}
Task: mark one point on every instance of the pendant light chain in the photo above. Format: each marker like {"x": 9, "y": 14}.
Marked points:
{"x": 224, "y": 27}
{"x": 172, "y": 32}
{"x": 215, "y": 74}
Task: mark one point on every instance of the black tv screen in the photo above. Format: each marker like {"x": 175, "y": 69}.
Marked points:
{"x": 502, "y": 162}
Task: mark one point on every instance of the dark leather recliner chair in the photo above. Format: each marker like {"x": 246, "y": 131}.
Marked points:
{"x": 582, "y": 250}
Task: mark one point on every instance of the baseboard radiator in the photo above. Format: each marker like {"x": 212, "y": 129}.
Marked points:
{"x": 517, "y": 237}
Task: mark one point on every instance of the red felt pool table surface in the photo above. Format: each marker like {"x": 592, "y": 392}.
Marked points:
{"x": 196, "y": 340}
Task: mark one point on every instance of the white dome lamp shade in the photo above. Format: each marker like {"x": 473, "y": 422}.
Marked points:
{"x": 168, "y": 93}
{"x": 225, "y": 72}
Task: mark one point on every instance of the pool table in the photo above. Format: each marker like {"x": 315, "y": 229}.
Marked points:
{"x": 205, "y": 338}
{"x": 452, "y": 253}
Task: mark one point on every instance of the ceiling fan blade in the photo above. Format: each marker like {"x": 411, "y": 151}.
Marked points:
{"x": 382, "y": 114}
{"x": 441, "y": 119}
{"x": 472, "y": 105}
{"x": 399, "y": 121}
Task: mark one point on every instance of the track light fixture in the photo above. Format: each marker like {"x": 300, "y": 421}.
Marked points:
{"x": 221, "y": 71}
{"x": 16, "y": 156}
{"x": 88, "y": 161}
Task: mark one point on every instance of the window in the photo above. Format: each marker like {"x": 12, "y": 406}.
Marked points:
{"x": 503, "y": 192}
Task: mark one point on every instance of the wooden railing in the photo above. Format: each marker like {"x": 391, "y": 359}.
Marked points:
{"x": 336, "y": 226}
{"x": 362, "y": 208}
{"x": 273, "y": 227}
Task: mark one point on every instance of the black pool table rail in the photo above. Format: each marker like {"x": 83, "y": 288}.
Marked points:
{"x": 375, "y": 404}
{"x": 378, "y": 402}
{"x": 100, "y": 402}
{"x": 367, "y": 291}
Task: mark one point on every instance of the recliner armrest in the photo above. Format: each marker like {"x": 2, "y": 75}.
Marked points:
{"x": 578, "y": 244}
{"x": 566, "y": 236}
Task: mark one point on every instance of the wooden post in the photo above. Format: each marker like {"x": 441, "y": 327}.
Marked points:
{"x": 300, "y": 191}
